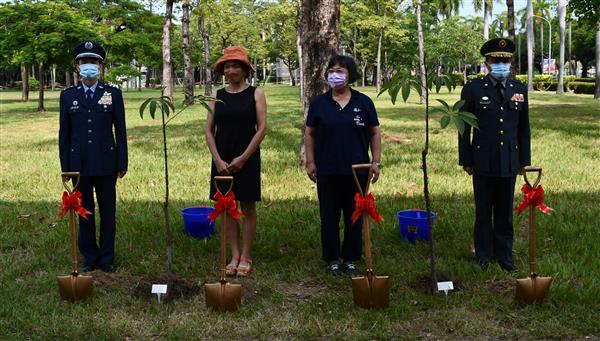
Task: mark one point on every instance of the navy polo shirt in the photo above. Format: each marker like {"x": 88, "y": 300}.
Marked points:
{"x": 342, "y": 135}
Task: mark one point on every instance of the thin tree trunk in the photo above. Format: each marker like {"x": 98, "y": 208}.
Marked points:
{"x": 597, "y": 91}
{"x": 167, "y": 81}
{"x": 139, "y": 78}
{"x": 206, "y": 42}
{"x": 487, "y": 13}
{"x": 41, "y": 93}
{"x": 530, "y": 44}
{"x": 188, "y": 69}
{"x": 510, "y": 7}
{"x": 75, "y": 78}
{"x": 425, "y": 97}
{"x": 53, "y": 77}
{"x": 168, "y": 230}
{"x": 378, "y": 80}
{"x": 24, "y": 82}
{"x": 571, "y": 64}
{"x": 542, "y": 48}
{"x": 364, "y": 73}
{"x": 562, "y": 9}
{"x": 319, "y": 34}
{"x": 68, "y": 79}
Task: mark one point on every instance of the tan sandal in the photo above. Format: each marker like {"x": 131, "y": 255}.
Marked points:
{"x": 231, "y": 268}
{"x": 245, "y": 267}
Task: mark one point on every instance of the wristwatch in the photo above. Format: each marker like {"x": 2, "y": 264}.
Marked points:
{"x": 376, "y": 163}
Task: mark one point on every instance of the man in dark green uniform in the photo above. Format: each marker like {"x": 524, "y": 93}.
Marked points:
{"x": 496, "y": 153}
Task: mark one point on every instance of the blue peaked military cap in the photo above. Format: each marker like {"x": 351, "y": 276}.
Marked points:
{"x": 498, "y": 47}
{"x": 89, "y": 49}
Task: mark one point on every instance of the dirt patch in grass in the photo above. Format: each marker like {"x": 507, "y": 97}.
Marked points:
{"x": 423, "y": 283}
{"x": 504, "y": 287}
{"x": 301, "y": 290}
{"x": 396, "y": 138}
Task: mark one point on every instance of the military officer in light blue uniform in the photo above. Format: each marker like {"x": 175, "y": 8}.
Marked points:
{"x": 496, "y": 152}
{"x": 88, "y": 114}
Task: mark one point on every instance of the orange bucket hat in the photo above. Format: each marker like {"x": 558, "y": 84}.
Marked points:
{"x": 232, "y": 53}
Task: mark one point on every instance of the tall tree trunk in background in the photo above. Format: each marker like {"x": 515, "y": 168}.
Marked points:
{"x": 319, "y": 34}
{"x": 24, "y": 82}
{"x": 206, "y": 42}
{"x": 487, "y": 13}
{"x": 53, "y": 77}
{"x": 530, "y": 44}
{"x": 510, "y": 10}
{"x": 68, "y": 79}
{"x": 379, "y": 73}
{"x": 167, "y": 81}
{"x": 421, "y": 40}
{"x": 139, "y": 78}
{"x": 597, "y": 91}
{"x": 188, "y": 69}
{"x": 41, "y": 93}
{"x": 572, "y": 66}
{"x": 562, "y": 12}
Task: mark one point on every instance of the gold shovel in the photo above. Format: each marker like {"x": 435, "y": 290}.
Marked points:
{"x": 534, "y": 288}
{"x": 223, "y": 296}
{"x": 369, "y": 291}
{"x": 74, "y": 286}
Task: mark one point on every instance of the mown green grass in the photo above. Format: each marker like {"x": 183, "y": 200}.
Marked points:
{"x": 288, "y": 295}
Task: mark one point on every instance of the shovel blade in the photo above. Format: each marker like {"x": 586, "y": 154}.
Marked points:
{"x": 532, "y": 289}
{"x": 75, "y": 288}
{"x": 371, "y": 294}
{"x": 223, "y": 296}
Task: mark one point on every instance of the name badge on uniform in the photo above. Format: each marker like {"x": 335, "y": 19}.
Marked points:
{"x": 518, "y": 98}
{"x": 485, "y": 100}
{"x": 106, "y": 99}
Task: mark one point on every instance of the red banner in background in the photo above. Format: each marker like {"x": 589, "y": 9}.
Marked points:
{"x": 533, "y": 197}
{"x": 73, "y": 202}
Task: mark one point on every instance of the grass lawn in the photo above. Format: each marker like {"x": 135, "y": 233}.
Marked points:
{"x": 289, "y": 296}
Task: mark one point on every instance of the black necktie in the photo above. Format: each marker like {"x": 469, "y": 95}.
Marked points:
{"x": 500, "y": 90}
{"x": 89, "y": 95}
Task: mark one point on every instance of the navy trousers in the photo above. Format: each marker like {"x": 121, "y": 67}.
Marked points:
{"x": 336, "y": 196}
{"x": 493, "y": 218}
{"x": 104, "y": 253}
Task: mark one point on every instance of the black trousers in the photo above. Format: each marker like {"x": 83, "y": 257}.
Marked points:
{"x": 105, "y": 188}
{"x": 493, "y": 235}
{"x": 336, "y": 196}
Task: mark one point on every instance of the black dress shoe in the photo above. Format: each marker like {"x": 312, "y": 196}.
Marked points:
{"x": 107, "y": 268}
{"x": 482, "y": 264}
{"x": 88, "y": 268}
{"x": 508, "y": 267}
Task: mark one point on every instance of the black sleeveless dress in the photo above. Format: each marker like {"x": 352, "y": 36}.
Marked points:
{"x": 235, "y": 122}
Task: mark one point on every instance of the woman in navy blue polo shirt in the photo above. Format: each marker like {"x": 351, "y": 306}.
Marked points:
{"x": 341, "y": 126}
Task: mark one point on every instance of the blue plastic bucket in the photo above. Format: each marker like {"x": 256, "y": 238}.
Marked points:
{"x": 196, "y": 222}
{"x": 413, "y": 224}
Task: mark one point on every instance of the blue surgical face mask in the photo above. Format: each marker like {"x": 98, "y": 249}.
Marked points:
{"x": 500, "y": 71}
{"x": 89, "y": 71}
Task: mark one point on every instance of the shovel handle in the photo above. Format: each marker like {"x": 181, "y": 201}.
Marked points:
{"x": 223, "y": 253}
{"x": 223, "y": 178}
{"x": 530, "y": 169}
{"x": 362, "y": 166}
{"x": 65, "y": 180}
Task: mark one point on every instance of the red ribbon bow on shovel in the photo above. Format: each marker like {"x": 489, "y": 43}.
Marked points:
{"x": 225, "y": 203}
{"x": 533, "y": 197}
{"x": 73, "y": 202}
{"x": 365, "y": 204}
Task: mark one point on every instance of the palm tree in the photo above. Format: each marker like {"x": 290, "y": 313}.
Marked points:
{"x": 510, "y": 17}
{"x": 562, "y": 9}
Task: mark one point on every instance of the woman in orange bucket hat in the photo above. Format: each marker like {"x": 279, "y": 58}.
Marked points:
{"x": 235, "y": 127}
